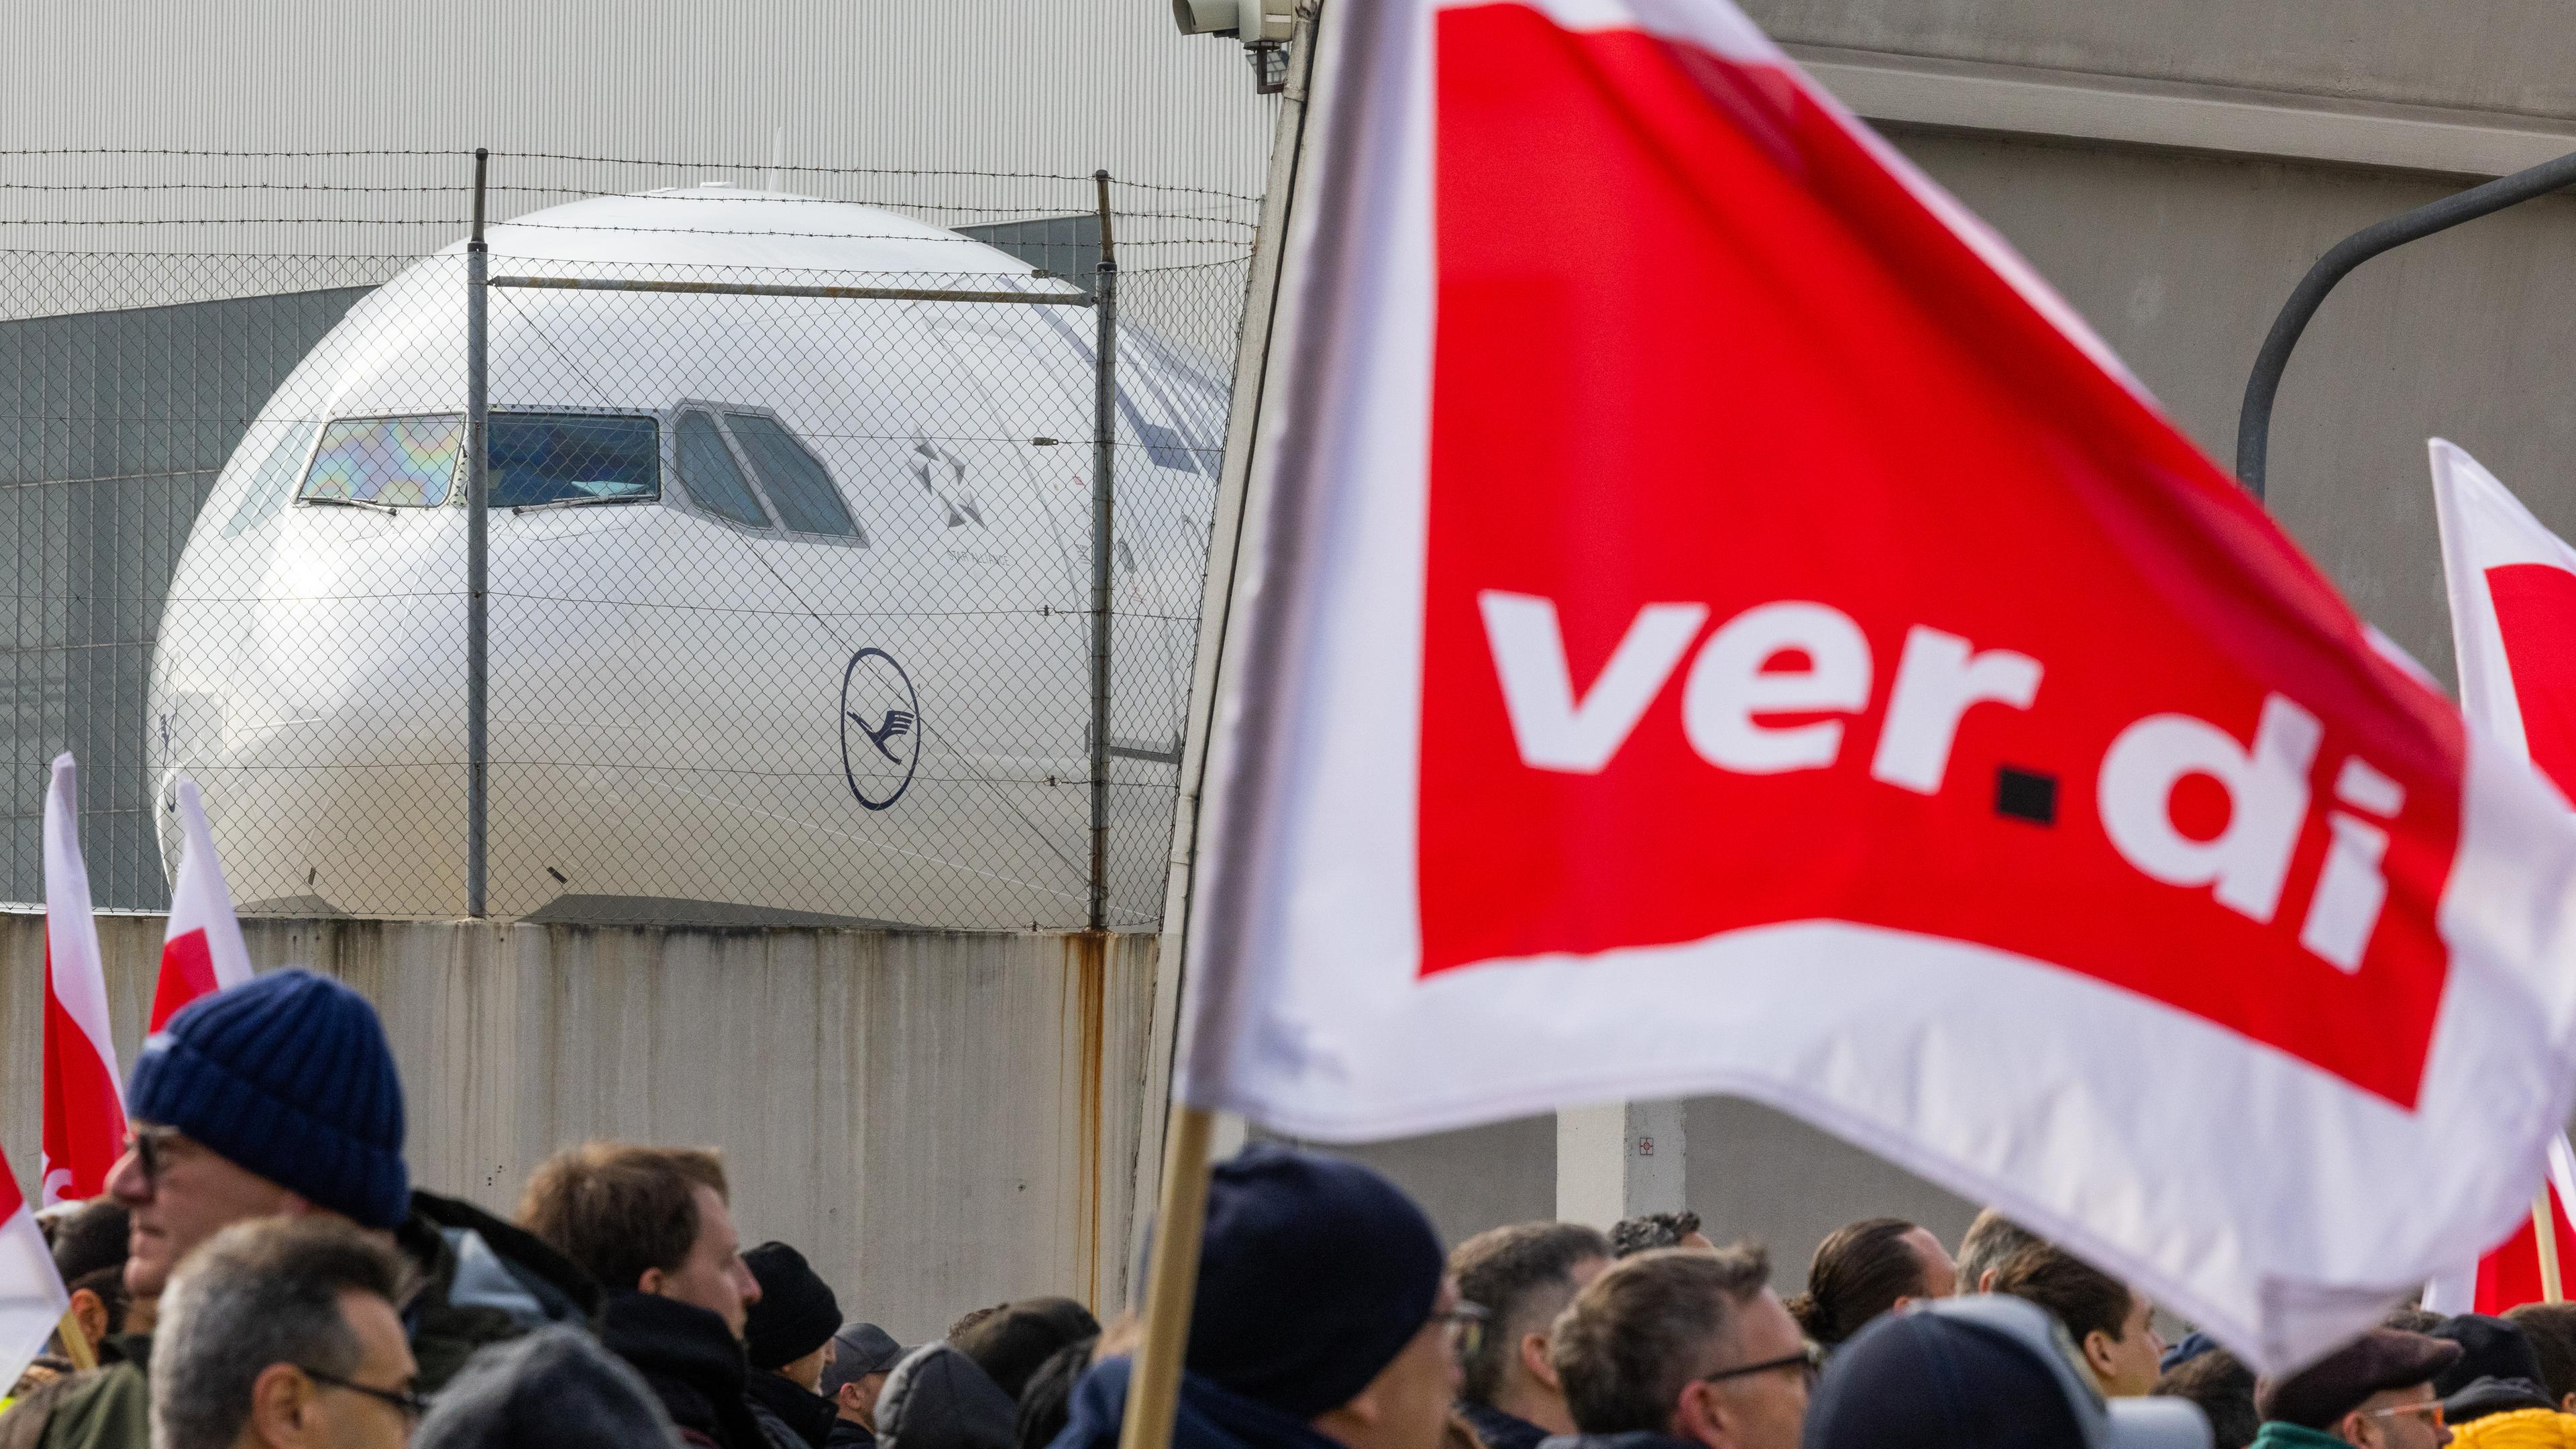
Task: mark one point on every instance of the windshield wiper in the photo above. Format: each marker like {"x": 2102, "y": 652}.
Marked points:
{"x": 386, "y": 508}
{"x": 517, "y": 508}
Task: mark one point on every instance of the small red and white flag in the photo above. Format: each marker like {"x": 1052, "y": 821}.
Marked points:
{"x": 84, "y": 1103}
{"x": 1713, "y": 621}
{"x": 2512, "y": 586}
{"x": 202, "y": 952}
{"x": 32, "y": 1300}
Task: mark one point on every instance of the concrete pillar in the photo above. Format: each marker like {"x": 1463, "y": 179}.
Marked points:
{"x": 1618, "y": 1160}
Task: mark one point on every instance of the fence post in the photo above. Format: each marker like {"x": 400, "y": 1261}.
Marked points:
{"x": 1104, "y": 471}
{"x": 478, "y": 463}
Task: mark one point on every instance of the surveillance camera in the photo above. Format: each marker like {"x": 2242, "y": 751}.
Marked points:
{"x": 1255, "y": 21}
{"x": 1207, "y": 17}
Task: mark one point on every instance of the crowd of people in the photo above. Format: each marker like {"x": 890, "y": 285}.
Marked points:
{"x": 260, "y": 1272}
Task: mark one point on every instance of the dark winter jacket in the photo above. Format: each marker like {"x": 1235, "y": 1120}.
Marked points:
{"x": 939, "y": 1398}
{"x": 481, "y": 1280}
{"x": 1498, "y": 1430}
{"x": 1210, "y": 1417}
{"x": 1633, "y": 1439}
{"x": 690, "y": 1360}
{"x": 792, "y": 1417}
{"x": 849, "y": 1434}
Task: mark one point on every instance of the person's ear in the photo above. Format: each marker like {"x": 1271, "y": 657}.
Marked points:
{"x": 2357, "y": 1429}
{"x": 2567, "y": 1403}
{"x": 1534, "y": 1359}
{"x": 651, "y": 1280}
{"x": 1986, "y": 1281}
{"x": 1698, "y": 1418}
{"x": 1903, "y": 1302}
{"x": 90, "y": 1312}
{"x": 2098, "y": 1356}
{"x": 281, "y": 1406}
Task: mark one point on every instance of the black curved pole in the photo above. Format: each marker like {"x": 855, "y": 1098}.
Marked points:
{"x": 2254, "y": 423}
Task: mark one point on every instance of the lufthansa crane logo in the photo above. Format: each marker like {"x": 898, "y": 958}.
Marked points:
{"x": 880, "y": 728}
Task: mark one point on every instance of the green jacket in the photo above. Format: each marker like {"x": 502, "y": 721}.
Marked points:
{"x": 478, "y": 1280}
{"x": 2277, "y": 1435}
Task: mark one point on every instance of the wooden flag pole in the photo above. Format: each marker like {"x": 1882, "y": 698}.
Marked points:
{"x": 1172, "y": 1276}
{"x": 76, "y": 1343}
{"x": 2544, "y": 1233}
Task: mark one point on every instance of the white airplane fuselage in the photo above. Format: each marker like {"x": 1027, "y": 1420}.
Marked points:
{"x": 789, "y": 608}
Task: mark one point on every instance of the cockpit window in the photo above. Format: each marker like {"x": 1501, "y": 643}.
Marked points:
{"x": 707, "y": 470}
{"x": 796, "y": 480}
{"x": 392, "y": 462}
{"x": 540, "y": 458}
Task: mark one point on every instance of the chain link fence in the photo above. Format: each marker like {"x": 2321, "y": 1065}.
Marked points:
{"x": 789, "y": 560}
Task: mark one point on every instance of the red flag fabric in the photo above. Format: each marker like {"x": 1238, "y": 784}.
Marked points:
{"x": 2512, "y": 588}
{"x": 84, "y": 1105}
{"x": 1716, "y": 622}
{"x": 202, "y": 951}
{"x": 32, "y": 1299}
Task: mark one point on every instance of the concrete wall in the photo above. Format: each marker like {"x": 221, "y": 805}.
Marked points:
{"x": 937, "y": 1120}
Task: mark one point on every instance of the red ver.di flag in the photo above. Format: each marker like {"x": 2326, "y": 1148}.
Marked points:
{"x": 2512, "y": 586}
{"x": 1716, "y": 622}
{"x": 202, "y": 951}
{"x": 84, "y": 1104}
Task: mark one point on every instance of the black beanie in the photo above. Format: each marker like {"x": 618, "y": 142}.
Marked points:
{"x": 796, "y": 1314}
{"x": 1313, "y": 1274}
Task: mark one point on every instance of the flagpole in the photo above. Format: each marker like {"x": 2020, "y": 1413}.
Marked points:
{"x": 1154, "y": 1388}
{"x": 76, "y": 1342}
{"x": 2544, "y": 1233}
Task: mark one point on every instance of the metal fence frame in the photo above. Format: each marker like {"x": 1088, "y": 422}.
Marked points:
{"x": 1103, "y": 302}
{"x": 1187, "y": 296}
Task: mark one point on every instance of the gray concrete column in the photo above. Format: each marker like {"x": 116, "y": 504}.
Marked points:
{"x": 1618, "y": 1160}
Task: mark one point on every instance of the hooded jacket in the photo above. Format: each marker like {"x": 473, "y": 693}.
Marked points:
{"x": 483, "y": 1280}
{"x": 940, "y": 1398}
{"x": 691, "y": 1361}
{"x": 1210, "y": 1417}
{"x": 552, "y": 1389}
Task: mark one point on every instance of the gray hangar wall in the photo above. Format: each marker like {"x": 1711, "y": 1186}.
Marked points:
{"x": 939, "y": 1120}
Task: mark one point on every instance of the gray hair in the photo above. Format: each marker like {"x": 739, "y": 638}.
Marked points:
{"x": 1991, "y": 1239}
{"x": 258, "y": 1293}
{"x": 1647, "y": 1327}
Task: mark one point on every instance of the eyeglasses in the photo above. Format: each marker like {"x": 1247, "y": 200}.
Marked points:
{"x": 148, "y": 1144}
{"x": 1807, "y": 1360}
{"x": 402, "y": 1401}
{"x": 2427, "y": 1406}
{"x": 1466, "y": 1325}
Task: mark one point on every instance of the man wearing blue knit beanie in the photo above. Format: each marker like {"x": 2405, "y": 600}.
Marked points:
{"x": 1323, "y": 1318}
{"x": 279, "y": 1098}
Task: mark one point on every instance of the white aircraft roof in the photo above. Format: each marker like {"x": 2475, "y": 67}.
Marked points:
{"x": 730, "y": 226}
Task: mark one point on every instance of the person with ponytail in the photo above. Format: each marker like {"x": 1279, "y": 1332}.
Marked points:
{"x": 1867, "y": 1269}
